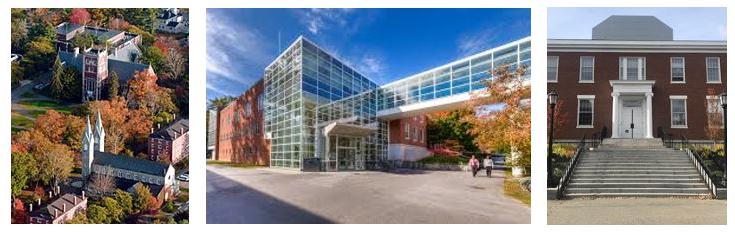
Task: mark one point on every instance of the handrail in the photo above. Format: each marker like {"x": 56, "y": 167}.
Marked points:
{"x": 699, "y": 164}
{"x": 564, "y": 180}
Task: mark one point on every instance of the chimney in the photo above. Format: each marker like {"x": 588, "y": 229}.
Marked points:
{"x": 182, "y": 131}
{"x": 75, "y": 200}
{"x": 30, "y": 207}
{"x": 83, "y": 197}
{"x": 50, "y": 194}
{"x": 158, "y": 126}
{"x": 56, "y": 212}
{"x": 151, "y": 130}
{"x": 174, "y": 117}
{"x": 76, "y": 51}
{"x": 39, "y": 201}
{"x": 64, "y": 206}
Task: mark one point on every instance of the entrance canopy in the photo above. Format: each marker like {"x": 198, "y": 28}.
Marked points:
{"x": 632, "y": 115}
{"x": 345, "y": 129}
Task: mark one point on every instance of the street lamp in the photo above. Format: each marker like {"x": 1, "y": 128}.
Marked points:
{"x": 723, "y": 104}
{"x": 553, "y": 97}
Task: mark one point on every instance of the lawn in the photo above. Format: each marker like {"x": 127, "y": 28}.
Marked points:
{"x": 19, "y": 122}
{"x": 512, "y": 188}
{"x": 29, "y": 95}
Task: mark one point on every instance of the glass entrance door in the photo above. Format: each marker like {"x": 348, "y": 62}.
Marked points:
{"x": 345, "y": 153}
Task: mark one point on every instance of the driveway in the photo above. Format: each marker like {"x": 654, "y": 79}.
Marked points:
{"x": 637, "y": 211}
{"x": 262, "y": 195}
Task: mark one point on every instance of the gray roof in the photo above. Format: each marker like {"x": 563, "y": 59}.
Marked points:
{"x": 47, "y": 212}
{"x": 66, "y": 28}
{"x": 125, "y": 70}
{"x": 130, "y": 163}
{"x": 632, "y": 28}
{"x": 173, "y": 130}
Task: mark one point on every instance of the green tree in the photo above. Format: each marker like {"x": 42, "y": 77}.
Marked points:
{"x": 114, "y": 211}
{"x": 124, "y": 200}
{"x": 220, "y": 102}
{"x": 445, "y": 126}
{"x": 142, "y": 17}
{"x": 21, "y": 170}
{"x": 142, "y": 199}
{"x": 16, "y": 74}
{"x": 79, "y": 218}
{"x": 39, "y": 55}
{"x": 18, "y": 34}
{"x": 42, "y": 30}
{"x": 153, "y": 56}
{"x": 72, "y": 83}
{"x": 84, "y": 40}
{"x": 57, "y": 85}
{"x": 55, "y": 163}
{"x": 98, "y": 215}
{"x": 114, "y": 88}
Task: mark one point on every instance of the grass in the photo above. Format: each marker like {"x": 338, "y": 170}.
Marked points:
{"x": 512, "y": 188}
{"x": 19, "y": 121}
{"x": 230, "y": 164}
{"x": 442, "y": 159}
{"x": 29, "y": 95}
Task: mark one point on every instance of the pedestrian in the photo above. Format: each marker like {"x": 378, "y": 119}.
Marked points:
{"x": 474, "y": 165}
{"x": 488, "y": 164}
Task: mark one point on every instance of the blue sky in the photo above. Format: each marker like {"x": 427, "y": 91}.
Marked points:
{"x": 688, "y": 23}
{"x": 383, "y": 44}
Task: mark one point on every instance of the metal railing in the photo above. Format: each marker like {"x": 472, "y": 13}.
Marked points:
{"x": 681, "y": 142}
{"x": 564, "y": 180}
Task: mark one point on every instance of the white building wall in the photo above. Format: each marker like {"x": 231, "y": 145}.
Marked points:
{"x": 404, "y": 152}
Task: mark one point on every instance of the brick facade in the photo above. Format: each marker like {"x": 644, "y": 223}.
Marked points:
{"x": 408, "y": 131}
{"x": 240, "y": 130}
{"x": 657, "y": 68}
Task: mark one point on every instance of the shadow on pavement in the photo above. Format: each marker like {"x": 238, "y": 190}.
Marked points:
{"x": 232, "y": 202}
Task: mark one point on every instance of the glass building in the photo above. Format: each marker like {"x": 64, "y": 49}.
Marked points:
{"x": 323, "y": 115}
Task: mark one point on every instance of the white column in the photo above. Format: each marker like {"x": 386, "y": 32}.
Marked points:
{"x": 649, "y": 115}
{"x": 616, "y": 97}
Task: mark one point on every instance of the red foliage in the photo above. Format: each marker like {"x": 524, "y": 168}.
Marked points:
{"x": 19, "y": 215}
{"x": 79, "y": 16}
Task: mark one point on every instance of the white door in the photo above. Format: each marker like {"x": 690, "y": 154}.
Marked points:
{"x": 632, "y": 119}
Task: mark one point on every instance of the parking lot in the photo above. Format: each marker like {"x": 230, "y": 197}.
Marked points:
{"x": 262, "y": 195}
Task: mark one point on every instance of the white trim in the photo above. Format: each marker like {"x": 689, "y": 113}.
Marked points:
{"x": 581, "y": 67}
{"x": 591, "y": 98}
{"x": 683, "y": 70}
{"x": 719, "y": 70}
{"x": 623, "y": 64}
{"x": 557, "y": 69}
{"x": 622, "y": 46}
{"x": 671, "y": 111}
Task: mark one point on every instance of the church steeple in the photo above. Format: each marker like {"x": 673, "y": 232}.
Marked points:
{"x": 87, "y": 149}
{"x": 99, "y": 134}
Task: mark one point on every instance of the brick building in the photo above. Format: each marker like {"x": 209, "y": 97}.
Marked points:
{"x": 240, "y": 134}
{"x": 633, "y": 79}
{"x": 59, "y": 211}
{"x": 170, "y": 144}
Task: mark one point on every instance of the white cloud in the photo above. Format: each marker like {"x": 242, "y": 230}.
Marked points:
{"x": 469, "y": 44}
{"x": 230, "y": 46}
{"x": 318, "y": 20}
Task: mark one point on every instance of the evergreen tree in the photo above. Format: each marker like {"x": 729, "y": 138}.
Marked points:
{"x": 57, "y": 85}
{"x": 114, "y": 89}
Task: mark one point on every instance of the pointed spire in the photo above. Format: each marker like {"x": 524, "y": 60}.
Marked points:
{"x": 98, "y": 126}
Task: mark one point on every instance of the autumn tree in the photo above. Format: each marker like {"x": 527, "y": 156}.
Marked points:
{"x": 114, "y": 89}
{"x": 115, "y": 213}
{"x": 119, "y": 24}
{"x": 122, "y": 124}
{"x": 144, "y": 93}
{"x": 124, "y": 200}
{"x": 18, "y": 34}
{"x": 502, "y": 116}
{"x": 220, "y": 102}
{"x": 154, "y": 56}
{"x": 98, "y": 215}
{"x": 55, "y": 163}
{"x": 57, "y": 85}
{"x": 448, "y": 129}
{"x": 79, "y": 16}
{"x": 103, "y": 183}
{"x": 143, "y": 201}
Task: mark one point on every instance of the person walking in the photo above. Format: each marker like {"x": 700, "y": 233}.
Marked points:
{"x": 474, "y": 165}
{"x": 488, "y": 164}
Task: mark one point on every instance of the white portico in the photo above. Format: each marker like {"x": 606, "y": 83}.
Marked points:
{"x": 632, "y": 109}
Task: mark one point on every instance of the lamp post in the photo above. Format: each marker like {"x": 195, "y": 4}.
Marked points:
{"x": 723, "y": 104}
{"x": 552, "y": 105}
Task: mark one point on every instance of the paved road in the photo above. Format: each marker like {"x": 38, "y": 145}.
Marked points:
{"x": 637, "y": 211}
{"x": 237, "y": 195}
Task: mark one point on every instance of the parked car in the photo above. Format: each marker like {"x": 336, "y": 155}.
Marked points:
{"x": 183, "y": 177}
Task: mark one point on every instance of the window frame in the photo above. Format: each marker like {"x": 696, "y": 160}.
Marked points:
{"x": 581, "y": 68}
{"x": 556, "y": 73}
{"x": 623, "y": 67}
{"x": 719, "y": 70}
{"x": 683, "y": 70}
{"x": 671, "y": 111}
{"x": 591, "y": 98}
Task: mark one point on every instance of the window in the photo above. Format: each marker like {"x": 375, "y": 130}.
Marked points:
{"x": 677, "y": 69}
{"x": 632, "y": 68}
{"x": 406, "y": 131}
{"x": 586, "y": 69}
{"x": 552, "y": 68}
{"x": 585, "y": 111}
{"x": 678, "y": 111}
{"x": 714, "y": 112}
{"x": 713, "y": 70}
{"x": 260, "y": 101}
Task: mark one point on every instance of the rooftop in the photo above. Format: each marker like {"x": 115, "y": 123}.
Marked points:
{"x": 130, "y": 163}
{"x": 634, "y": 28}
{"x": 173, "y": 130}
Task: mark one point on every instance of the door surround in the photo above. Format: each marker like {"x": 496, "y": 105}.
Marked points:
{"x": 621, "y": 89}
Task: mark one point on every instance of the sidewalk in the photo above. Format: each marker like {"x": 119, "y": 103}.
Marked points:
{"x": 637, "y": 211}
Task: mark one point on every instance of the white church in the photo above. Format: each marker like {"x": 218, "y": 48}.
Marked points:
{"x": 128, "y": 171}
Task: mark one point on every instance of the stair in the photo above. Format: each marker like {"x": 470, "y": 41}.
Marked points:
{"x": 635, "y": 168}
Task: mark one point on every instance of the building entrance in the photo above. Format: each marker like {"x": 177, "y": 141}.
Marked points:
{"x": 633, "y": 123}
{"x": 345, "y": 153}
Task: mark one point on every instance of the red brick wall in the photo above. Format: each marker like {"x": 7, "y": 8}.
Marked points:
{"x": 417, "y": 131}
{"x": 159, "y": 150}
{"x": 657, "y": 68}
{"x": 238, "y": 140}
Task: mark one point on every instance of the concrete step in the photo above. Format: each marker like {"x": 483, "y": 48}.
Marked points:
{"x": 637, "y": 185}
{"x": 700, "y": 190}
{"x": 630, "y": 164}
{"x": 636, "y": 180}
{"x": 663, "y": 167}
{"x": 639, "y": 161}
{"x": 630, "y": 171}
{"x": 633, "y": 176}
{"x": 616, "y": 195}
